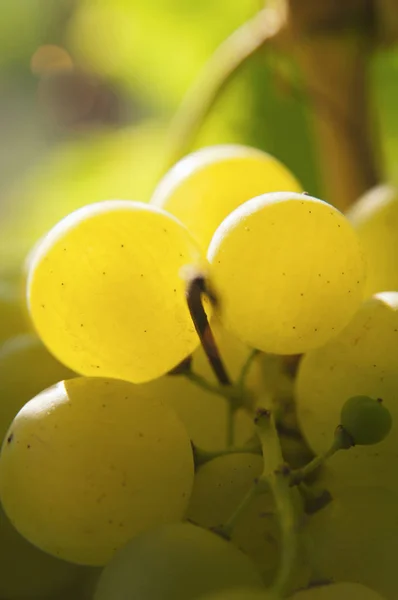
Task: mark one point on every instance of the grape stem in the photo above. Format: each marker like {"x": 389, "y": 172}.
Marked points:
{"x": 342, "y": 441}
{"x": 246, "y": 368}
{"x": 201, "y": 456}
{"x": 227, "y": 392}
{"x": 232, "y": 54}
{"x": 275, "y": 477}
{"x": 197, "y": 287}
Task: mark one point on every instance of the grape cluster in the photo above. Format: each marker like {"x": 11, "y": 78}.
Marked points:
{"x": 151, "y": 379}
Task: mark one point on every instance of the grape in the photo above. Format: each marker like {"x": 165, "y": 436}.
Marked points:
{"x": 375, "y": 218}
{"x": 219, "y": 487}
{"x": 90, "y": 463}
{"x": 26, "y": 368}
{"x": 206, "y": 186}
{"x": 13, "y": 319}
{"x": 26, "y": 571}
{"x": 355, "y": 538}
{"x": 178, "y": 561}
{"x": 366, "y": 420}
{"x": 360, "y": 361}
{"x": 205, "y": 414}
{"x": 288, "y": 272}
{"x": 106, "y": 293}
{"x": 240, "y": 594}
{"x": 338, "y": 591}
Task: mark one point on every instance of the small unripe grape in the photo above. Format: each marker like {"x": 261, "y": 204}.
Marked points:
{"x": 366, "y": 420}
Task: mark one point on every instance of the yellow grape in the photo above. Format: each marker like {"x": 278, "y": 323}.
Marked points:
{"x": 361, "y": 360}
{"x": 219, "y": 487}
{"x": 13, "y": 319}
{"x": 355, "y": 538}
{"x": 288, "y": 272}
{"x": 240, "y": 594}
{"x": 106, "y": 292}
{"x": 91, "y": 462}
{"x": 27, "y": 572}
{"x": 26, "y": 368}
{"x": 206, "y": 186}
{"x": 205, "y": 414}
{"x": 178, "y": 561}
{"x": 375, "y": 218}
{"x": 337, "y": 591}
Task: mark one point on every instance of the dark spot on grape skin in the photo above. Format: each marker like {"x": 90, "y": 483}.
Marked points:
{"x": 122, "y": 245}
{"x": 104, "y": 406}
{"x": 43, "y": 305}
{"x": 10, "y": 438}
{"x": 28, "y": 446}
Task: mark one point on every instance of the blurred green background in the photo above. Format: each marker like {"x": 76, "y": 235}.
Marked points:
{"x": 88, "y": 89}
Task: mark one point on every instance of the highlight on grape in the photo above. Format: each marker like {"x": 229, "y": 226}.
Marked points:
{"x": 209, "y": 400}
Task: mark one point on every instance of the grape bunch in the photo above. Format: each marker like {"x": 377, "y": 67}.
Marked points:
{"x": 198, "y": 397}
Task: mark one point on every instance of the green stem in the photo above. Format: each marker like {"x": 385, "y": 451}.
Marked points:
{"x": 201, "y": 456}
{"x": 226, "y": 60}
{"x": 228, "y": 392}
{"x": 227, "y": 529}
{"x": 246, "y": 368}
{"x": 275, "y": 476}
{"x": 341, "y": 441}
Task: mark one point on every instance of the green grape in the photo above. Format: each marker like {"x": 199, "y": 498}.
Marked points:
{"x": 288, "y": 272}
{"x": 219, "y": 487}
{"x": 13, "y": 319}
{"x": 178, "y": 561}
{"x": 366, "y": 420}
{"x": 106, "y": 293}
{"x": 205, "y": 414}
{"x": 338, "y": 591}
{"x": 27, "y": 572}
{"x": 355, "y": 537}
{"x": 240, "y": 594}
{"x": 91, "y": 462}
{"x": 26, "y": 368}
{"x": 206, "y": 186}
{"x": 375, "y": 218}
{"x": 360, "y": 361}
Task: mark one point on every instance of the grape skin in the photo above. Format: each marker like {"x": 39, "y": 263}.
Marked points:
{"x": 356, "y": 537}
{"x": 288, "y": 272}
{"x": 206, "y": 186}
{"x": 205, "y": 414}
{"x": 375, "y": 219}
{"x": 85, "y": 463}
{"x": 338, "y": 591}
{"x": 99, "y": 299}
{"x": 26, "y": 368}
{"x": 240, "y": 594}
{"x": 13, "y": 319}
{"x": 360, "y": 361}
{"x": 219, "y": 487}
{"x": 27, "y": 572}
{"x": 178, "y": 561}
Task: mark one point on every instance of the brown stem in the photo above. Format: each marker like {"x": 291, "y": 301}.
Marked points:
{"x": 197, "y": 287}
{"x": 333, "y": 43}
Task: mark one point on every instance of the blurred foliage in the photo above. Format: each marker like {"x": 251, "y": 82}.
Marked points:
{"x": 384, "y": 83}
{"x": 98, "y": 128}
